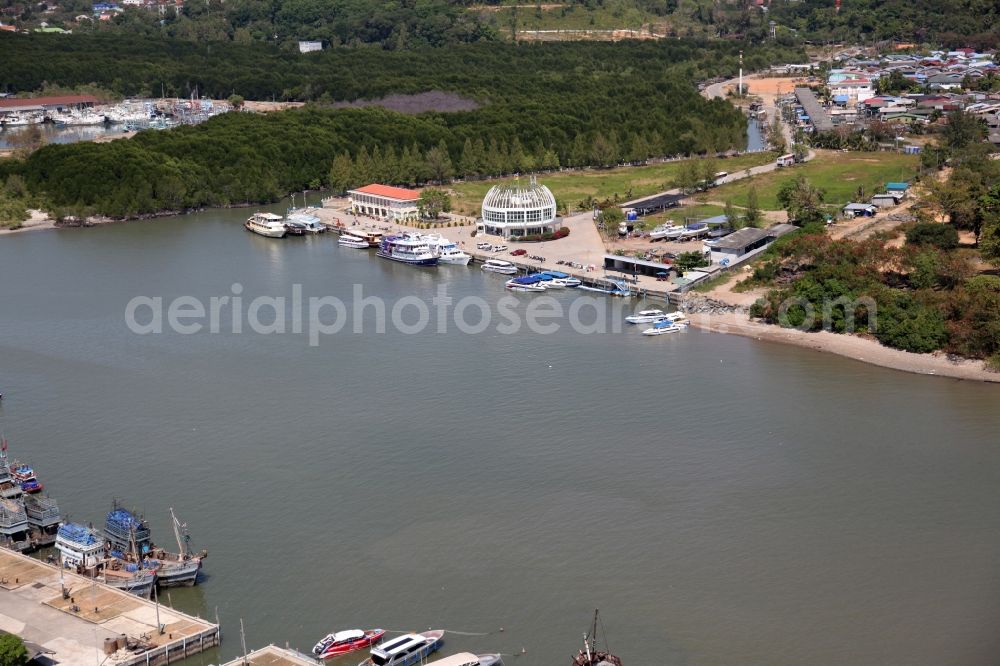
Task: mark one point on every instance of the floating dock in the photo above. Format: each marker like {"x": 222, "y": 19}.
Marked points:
{"x": 92, "y": 623}
{"x": 273, "y": 656}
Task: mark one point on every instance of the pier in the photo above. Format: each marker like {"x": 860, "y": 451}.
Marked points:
{"x": 273, "y": 656}
{"x": 78, "y": 621}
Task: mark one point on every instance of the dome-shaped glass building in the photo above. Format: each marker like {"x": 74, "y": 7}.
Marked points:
{"x": 512, "y": 210}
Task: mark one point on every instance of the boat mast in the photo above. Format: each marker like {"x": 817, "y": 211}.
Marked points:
{"x": 182, "y": 548}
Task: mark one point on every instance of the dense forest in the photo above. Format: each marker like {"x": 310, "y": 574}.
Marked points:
{"x": 540, "y": 106}
{"x": 949, "y": 23}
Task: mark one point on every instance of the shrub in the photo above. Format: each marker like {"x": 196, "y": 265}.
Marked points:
{"x": 906, "y": 323}
{"x": 943, "y": 236}
{"x": 12, "y": 651}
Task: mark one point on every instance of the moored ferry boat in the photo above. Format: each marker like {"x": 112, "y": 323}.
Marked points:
{"x": 349, "y": 240}
{"x": 342, "y": 642}
{"x": 407, "y": 250}
{"x": 499, "y": 266}
{"x": 406, "y": 650}
{"x": 266, "y": 224}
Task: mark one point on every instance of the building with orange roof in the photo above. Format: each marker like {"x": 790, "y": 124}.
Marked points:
{"x": 396, "y": 204}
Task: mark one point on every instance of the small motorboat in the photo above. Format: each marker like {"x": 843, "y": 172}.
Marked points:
{"x": 469, "y": 659}
{"x": 498, "y": 266}
{"x": 664, "y": 327}
{"x": 296, "y": 228}
{"x": 24, "y": 475}
{"x": 565, "y": 279}
{"x": 348, "y": 240}
{"x": 525, "y": 283}
{"x": 547, "y": 281}
{"x": 645, "y": 317}
{"x": 342, "y": 642}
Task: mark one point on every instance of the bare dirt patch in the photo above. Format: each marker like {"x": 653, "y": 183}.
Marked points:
{"x": 432, "y": 100}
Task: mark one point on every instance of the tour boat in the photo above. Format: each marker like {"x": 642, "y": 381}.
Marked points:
{"x": 525, "y": 283}
{"x": 406, "y": 650}
{"x": 343, "y": 642}
{"x": 348, "y": 240}
{"x": 446, "y": 251}
{"x": 499, "y": 266}
{"x": 266, "y": 224}
{"x": 469, "y": 659}
{"x": 407, "y": 250}
{"x": 664, "y": 327}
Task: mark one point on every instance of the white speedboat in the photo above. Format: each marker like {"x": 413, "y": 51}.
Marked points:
{"x": 347, "y": 240}
{"x": 565, "y": 279}
{"x": 664, "y": 327}
{"x": 645, "y": 317}
{"x": 662, "y": 231}
{"x": 546, "y": 281}
{"x": 499, "y": 266}
{"x": 266, "y": 224}
{"x": 407, "y": 250}
{"x": 446, "y": 251}
{"x": 527, "y": 283}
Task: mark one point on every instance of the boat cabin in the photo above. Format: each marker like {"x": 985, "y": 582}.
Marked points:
{"x": 397, "y": 650}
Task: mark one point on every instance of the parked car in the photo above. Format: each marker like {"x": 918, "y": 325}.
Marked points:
{"x": 519, "y": 252}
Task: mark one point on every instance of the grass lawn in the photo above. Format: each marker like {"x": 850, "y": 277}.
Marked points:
{"x": 571, "y": 187}
{"x": 838, "y": 173}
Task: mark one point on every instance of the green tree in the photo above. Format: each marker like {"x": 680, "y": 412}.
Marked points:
{"x": 236, "y": 101}
{"x": 752, "y": 212}
{"x": 962, "y": 130}
{"x": 433, "y": 201}
{"x": 438, "y": 161}
{"x": 802, "y": 200}
{"x": 735, "y": 220}
{"x": 12, "y": 651}
{"x": 687, "y": 261}
{"x": 942, "y": 236}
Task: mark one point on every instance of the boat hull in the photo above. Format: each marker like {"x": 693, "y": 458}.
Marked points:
{"x": 267, "y": 233}
{"x": 370, "y": 638}
{"x": 423, "y": 261}
{"x": 455, "y": 261}
{"x": 178, "y": 574}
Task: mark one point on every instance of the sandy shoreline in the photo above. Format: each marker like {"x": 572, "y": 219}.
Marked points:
{"x": 38, "y": 220}
{"x": 849, "y": 346}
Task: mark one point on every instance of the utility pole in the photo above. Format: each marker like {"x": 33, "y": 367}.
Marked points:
{"x": 740, "y": 89}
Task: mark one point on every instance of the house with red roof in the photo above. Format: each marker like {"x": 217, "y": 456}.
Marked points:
{"x": 396, "y": 204}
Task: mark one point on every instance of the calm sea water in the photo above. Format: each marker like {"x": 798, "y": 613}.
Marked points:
{"x": 723, "y": 501}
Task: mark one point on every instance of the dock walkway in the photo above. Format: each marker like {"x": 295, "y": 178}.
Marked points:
{"x": 273, "y": 656}
{"x": 75, "y": 628}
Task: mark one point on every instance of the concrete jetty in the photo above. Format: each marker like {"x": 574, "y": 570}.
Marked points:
{"x": 273, "y": 656}
{"x": 92, "y": 623}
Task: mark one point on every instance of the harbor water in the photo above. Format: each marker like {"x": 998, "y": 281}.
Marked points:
{"x": 721, "y": 500}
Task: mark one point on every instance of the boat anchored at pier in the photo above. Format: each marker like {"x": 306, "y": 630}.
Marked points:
{"x": 406, "y": 650}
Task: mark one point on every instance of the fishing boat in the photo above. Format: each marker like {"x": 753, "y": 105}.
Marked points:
{"x": 407, "y": 250}
{"x": 447, "y": 251}
{"x": 664, "y": 327}
{"x": 469, "y": 659}
{"x": 347, "y": 240}
{"x": 342, "y": 642}
{"x": 524, "y": 283}
{"x": 25, "y": 475}
{"x": 14, "y": 525}
{"x": 406, "y": 650}
{"x": 9, "y": 488}
{"x": 43, "y": 519}
{"x": 266, "y": 224}
{"x": 82, "y": 550}
{"x": 499, "y": 266}
{"x": 180, "y": 568}
{"x": 591, "y": 654}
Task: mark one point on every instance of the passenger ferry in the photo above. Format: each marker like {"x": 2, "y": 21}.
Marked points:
{"x": 348, "y": 240}
{"x": 469, "y": 659}
{"x": 407, "y": 250}
{"x": 499, "y": 266}
{"x": 405, "y": 650}
{"x": 266, "y": 224}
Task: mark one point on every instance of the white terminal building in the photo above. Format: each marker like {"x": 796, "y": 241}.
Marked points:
{"x": 513, "y": 210}
{"x": 396, "y": 204}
